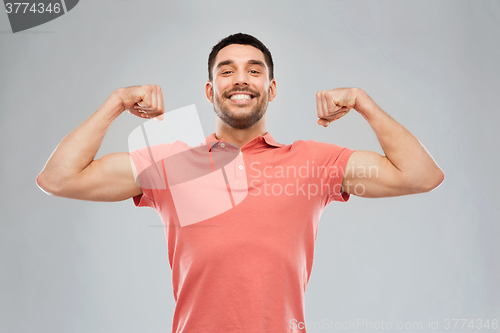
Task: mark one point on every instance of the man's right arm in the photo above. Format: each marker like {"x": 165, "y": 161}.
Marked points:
{"x": 72, "y": 172}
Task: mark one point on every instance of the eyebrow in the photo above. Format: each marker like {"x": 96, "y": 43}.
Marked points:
{"x": 230, "y": 62}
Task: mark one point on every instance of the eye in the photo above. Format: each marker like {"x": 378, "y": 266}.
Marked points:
{"x": 226, "y": 72}
{"x": 254, "y": 72}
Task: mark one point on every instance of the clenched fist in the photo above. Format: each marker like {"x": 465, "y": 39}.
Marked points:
{"x": 334, "y": 104}
{"x": 142, "y": 101}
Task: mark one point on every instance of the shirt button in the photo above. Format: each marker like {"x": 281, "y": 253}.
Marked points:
{"x": 240, "y": 167}
{"x": 241, "y": 153}
{"x": 222, "y": 145}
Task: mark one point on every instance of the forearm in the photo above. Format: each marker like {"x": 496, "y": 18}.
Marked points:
{"x": 78, "y": 149}
{"x": 400, "y": 147}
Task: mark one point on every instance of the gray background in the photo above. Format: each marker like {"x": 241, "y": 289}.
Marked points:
{"x": 75, "y": 266}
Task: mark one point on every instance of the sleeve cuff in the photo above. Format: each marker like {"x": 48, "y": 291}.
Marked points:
{"x": 337, "y": 194}
{"x": 144, "y": 199}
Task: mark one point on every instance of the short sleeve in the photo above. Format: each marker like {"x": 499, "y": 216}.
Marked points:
{"x": 337, "y": 175}
{"x": 146, "y": 199}
{"x": 332, "y": 160}
{"x": 150, "y": 166}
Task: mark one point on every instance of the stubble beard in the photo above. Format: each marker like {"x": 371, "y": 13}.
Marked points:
{"x": 239, "y": 119}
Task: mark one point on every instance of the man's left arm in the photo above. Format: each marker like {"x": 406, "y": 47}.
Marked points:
{"x": 406, "y": 168}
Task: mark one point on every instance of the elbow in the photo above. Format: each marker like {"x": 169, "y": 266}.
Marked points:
{"x": 432, "y": 181}
{"x": 46, "y": 184}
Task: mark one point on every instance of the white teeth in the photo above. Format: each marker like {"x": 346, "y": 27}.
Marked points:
{"x": 240, "y": 96}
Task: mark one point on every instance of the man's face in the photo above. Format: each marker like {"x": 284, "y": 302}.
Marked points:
{"x": 241, "y": 88}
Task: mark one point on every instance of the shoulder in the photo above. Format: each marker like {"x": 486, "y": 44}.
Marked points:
{"x": 313, "y": 145}
{"x": 159, "y": 151}
{"x": 321, "y": 152}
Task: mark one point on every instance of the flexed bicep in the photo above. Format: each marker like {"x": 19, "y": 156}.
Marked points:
{"x": 371, "y": 175}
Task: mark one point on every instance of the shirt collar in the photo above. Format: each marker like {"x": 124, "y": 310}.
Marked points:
{"x": 260, "y": 140}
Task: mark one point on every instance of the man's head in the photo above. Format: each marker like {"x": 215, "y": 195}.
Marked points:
{"x": 242, "y": 39}
{"x": 241, "y": 80}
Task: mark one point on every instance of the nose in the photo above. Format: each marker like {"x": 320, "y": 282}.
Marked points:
{"x": 241, "y": 79}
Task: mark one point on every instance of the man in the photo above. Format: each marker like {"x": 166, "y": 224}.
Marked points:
{"x": 245, "y": 269}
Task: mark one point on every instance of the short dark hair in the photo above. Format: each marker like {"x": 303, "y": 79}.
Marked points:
{"x": 242, "y": 39}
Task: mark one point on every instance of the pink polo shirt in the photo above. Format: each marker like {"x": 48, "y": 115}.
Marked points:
{"x": 240, "y": 226}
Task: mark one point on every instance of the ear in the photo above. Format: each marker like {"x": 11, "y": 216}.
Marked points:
{"x": 272, "y": 90}
{"x": 209, "y": 91}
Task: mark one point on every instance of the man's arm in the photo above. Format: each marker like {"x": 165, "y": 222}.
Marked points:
{"x": 72, "y": 172}
{"x": 406, "y": 168}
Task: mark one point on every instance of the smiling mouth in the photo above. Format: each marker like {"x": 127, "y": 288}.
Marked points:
{"x": 241, "y": 97}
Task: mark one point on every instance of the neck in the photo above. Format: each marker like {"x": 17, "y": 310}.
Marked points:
{"x": 239, "y": 136}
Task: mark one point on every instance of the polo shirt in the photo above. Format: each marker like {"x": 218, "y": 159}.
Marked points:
{"x": 240, "y": 225}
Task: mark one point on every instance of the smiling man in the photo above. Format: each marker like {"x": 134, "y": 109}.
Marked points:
{"x": 249, "y": 100}
{"x": 241, "y": 84}
{"x": 245, "y": 268}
